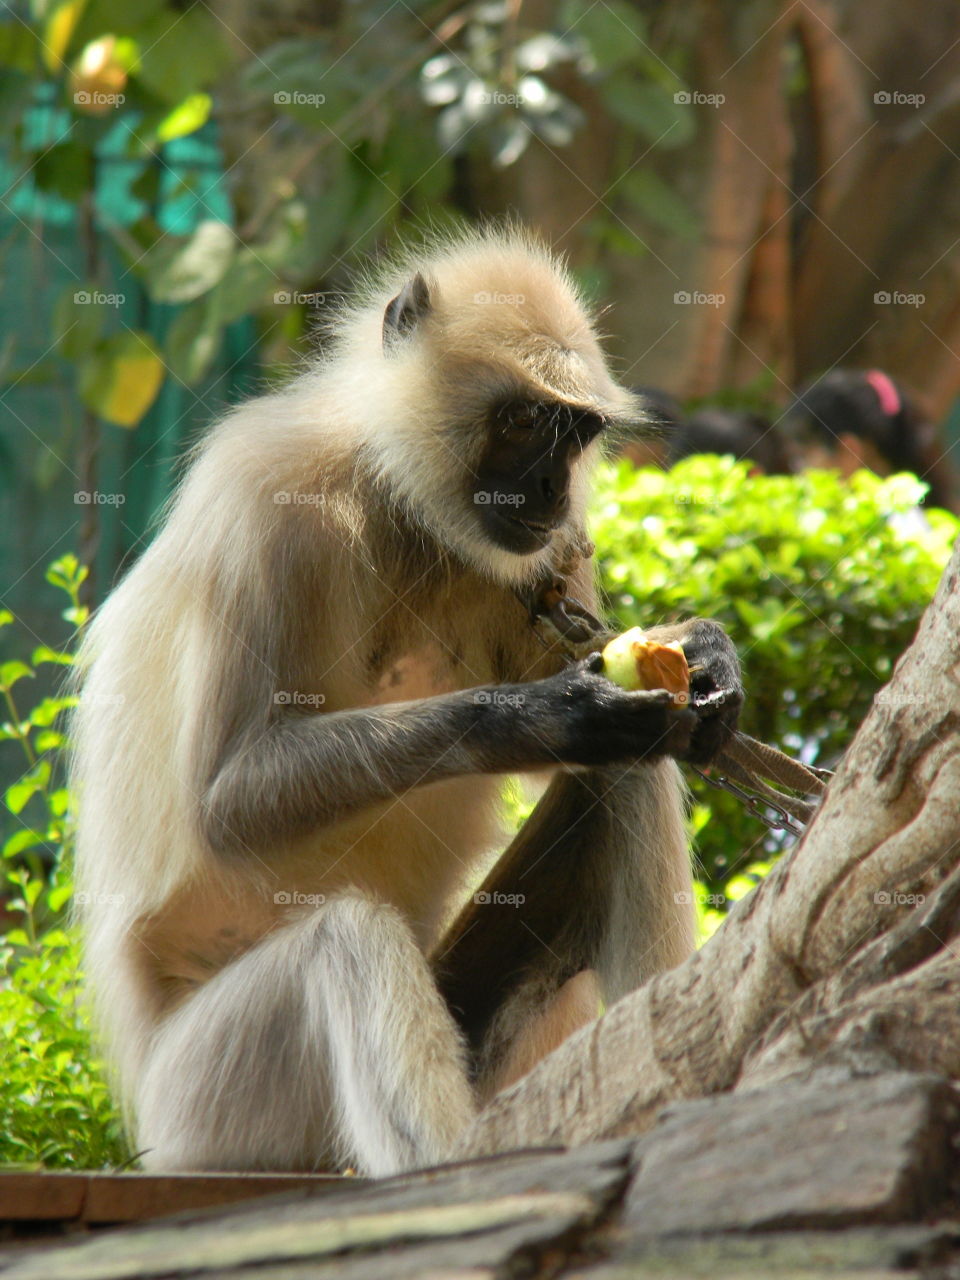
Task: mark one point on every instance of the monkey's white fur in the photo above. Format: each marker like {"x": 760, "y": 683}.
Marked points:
{"x": 276, "y": 1010}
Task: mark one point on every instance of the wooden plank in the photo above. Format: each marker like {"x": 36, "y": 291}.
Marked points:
{"x": 139, "y": 1197}
{"x": 518, "y": 1203}
{"x": 98, "y": 1198}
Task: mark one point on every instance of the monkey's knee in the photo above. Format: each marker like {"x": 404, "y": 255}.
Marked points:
{"x": 326, "y": 1044}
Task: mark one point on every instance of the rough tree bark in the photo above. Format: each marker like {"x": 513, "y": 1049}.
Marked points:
{"x": 843, "y": 961}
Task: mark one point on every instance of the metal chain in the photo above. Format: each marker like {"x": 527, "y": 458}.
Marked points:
{"x": 754, "y": 805}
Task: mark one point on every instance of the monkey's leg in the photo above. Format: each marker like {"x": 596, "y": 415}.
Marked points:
{"x": 597, "y": 879}
{"x": 326, "y": 1044}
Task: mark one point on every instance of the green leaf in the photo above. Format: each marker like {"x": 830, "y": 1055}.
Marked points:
{"x": 11, "y": 672}
{"x": 120, "y": 381}
{"x": 615, "y": 30}
{"x": 182, "y": 271}
{"x": 79, "y": 318}
{"x": 651, "y": 110}
{"x": 44, "y": 654}
{"x": 19, "y": 46}
{"x": 19, "y": 795}
{"x": 192, "y": 342}
{"x": 67, "y": 572}
{"x": 299, "y": 65}
{"x": 57, "y": 899}
{"x": 246, "y": 285}
{"x": 46, "y": 712}
{"x": 21, "y": 840}
{"x": 59, "y": 801}
{"x": 59, "y": 25}
{"x": 182, "y": 54}
{"x": 188, "y": 117}
{"x": 32, "y": 891}
{"x": 660, "y": 203}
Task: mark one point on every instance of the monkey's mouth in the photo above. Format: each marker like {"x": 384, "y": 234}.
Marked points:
{"x": 523, "y": 536}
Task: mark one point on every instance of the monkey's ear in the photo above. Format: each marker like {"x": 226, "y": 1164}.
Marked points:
{"x": 406, "y": 310}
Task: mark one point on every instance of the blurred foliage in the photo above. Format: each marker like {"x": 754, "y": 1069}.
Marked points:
{"x": 333, "y": 152}
{"x": 819, "y": 581}
{"x": 55, "y": 1108}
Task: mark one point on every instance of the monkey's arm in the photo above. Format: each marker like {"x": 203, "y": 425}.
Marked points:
{"x": 301, "y": 772}
{"x": 627, "y": 821}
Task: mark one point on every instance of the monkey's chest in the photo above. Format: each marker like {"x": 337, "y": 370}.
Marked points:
{"x": 429, "y": 670}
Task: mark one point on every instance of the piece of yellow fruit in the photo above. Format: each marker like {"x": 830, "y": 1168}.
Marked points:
{"x": 634, "y": 662}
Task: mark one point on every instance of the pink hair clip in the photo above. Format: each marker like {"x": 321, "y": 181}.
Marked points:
{"x": 887, "y": 393}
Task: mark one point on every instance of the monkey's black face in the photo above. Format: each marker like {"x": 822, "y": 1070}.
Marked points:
{"x": 521, "y": 488}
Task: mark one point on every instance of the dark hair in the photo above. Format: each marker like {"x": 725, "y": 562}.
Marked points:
{"x": 748, "y": 436}
{"x": 871, "y": 405}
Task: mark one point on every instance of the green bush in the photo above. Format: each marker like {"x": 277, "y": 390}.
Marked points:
{"x": 819, "y": 581}
{"x": 55, "y": 1108}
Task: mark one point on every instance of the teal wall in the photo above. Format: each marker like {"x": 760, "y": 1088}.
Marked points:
{"x": 42, "y": 259}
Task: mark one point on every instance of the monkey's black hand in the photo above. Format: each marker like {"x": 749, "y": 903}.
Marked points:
{"x": 715, "y": 686}
{"x": 581, "y": 717}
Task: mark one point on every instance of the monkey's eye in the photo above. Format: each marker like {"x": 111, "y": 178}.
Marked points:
{"x": 522, "y": 417}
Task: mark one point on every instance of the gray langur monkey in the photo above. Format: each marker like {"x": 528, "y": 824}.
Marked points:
{"x": 297, "y": 710}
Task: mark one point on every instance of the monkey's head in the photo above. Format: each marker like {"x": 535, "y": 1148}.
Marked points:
{"x": 498, "y": 394}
